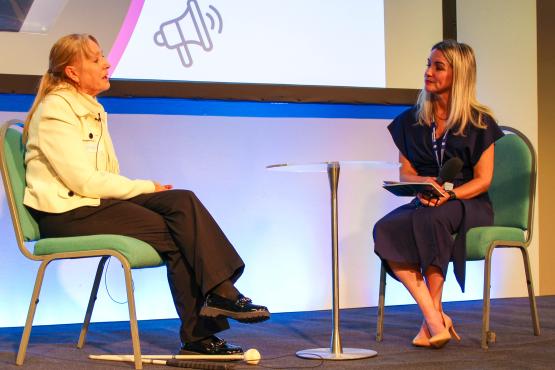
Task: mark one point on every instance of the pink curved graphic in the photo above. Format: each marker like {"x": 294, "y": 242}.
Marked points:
{"x": 125, "y": 33}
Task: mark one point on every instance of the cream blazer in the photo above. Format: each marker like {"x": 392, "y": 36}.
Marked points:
{"x": 70, "y": 160}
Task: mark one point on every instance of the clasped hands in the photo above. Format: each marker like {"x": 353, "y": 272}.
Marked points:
{"x": 432, "y": 200}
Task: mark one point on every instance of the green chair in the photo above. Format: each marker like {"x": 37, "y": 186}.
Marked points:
{"x": 512, "y": 193}
{"x": 131, "y": 253}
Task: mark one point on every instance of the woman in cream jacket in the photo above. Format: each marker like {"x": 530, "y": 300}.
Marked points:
{"x": 74, "y": 188}
{"x": 74, "y": 163}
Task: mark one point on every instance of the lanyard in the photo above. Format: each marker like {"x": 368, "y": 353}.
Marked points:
{"x": 439, "y": 152}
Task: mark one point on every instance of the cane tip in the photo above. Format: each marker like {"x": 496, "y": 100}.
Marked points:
{"x": 252, "y": 357}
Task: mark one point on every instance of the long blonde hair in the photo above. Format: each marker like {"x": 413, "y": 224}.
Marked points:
{"x": 66, "y": 51}
{"x": 463, "y": 105}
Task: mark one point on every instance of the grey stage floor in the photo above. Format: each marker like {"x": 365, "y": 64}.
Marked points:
{"x": 53, "y": 347}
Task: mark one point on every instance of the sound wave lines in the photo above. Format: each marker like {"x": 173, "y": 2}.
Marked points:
{"x": 212, "y": 23}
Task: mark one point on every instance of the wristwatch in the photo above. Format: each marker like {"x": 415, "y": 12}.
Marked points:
{"x": 452, "y": 194}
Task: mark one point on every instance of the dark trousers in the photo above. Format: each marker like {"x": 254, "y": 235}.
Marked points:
{"x": 198, "y": 255}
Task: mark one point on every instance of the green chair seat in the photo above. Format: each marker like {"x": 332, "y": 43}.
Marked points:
{"x": 479, "y": 239}
{"x": 138, "y": 253}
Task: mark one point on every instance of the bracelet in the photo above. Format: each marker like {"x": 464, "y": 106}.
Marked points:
{"x": 452, "y": 194}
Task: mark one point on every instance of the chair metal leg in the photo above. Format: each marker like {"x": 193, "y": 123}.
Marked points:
{"x": 31, "y": 313}
{"x": 531, "y": 296}
{"x": 132, "y": 316}
{"x": 486, "y": 299}
{"x": 92, "y": 300}
{"x": 381, "y": 305}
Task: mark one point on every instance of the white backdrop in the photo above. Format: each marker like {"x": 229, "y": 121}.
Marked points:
{"x": 279, "y": 222}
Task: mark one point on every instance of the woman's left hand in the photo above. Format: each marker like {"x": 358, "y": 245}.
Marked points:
{"x": 159, "y": 187}
{"x": 432, "y": 202}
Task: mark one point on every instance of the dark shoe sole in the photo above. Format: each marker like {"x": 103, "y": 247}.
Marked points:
{"x": 244, "y": 317}
{"x": 183, "y": 352}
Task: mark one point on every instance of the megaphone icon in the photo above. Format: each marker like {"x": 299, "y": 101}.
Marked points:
{"x": 187, "y": 29}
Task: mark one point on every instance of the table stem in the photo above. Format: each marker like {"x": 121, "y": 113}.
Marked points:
{"x": 333, "y": 176}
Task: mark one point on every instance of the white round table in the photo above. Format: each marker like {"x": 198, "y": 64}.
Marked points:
{"x": 336, "y": 350}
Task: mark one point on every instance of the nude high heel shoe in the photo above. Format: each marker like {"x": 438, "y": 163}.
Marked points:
{"x": 440, "y": 339}
{"x": 422, "y": 339}
{"x": 449, "y": 325}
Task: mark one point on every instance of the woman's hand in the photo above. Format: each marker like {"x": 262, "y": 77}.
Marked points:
{"x": 432, "y": 201}
{"x": 408, "y": 173}
{"x": 160, "y": 187}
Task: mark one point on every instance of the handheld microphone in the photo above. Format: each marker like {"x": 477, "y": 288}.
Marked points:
{"x": 449, "y": 171}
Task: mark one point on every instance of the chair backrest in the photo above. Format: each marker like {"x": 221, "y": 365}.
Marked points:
{"x": 512, "y": 190}
{"x": 12, "y": 155}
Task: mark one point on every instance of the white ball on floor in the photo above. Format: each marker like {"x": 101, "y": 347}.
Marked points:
{"x": 252, "y": 357}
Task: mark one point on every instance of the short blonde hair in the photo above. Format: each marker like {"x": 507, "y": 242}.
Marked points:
{"x": 66, "y": 51}
{"x": 463, "y": 105}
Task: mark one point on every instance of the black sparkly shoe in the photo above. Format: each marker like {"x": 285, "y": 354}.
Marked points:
{"x": 210, "y": 346}
{"x": 242, "y": 309}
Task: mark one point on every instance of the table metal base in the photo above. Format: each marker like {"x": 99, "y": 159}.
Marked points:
{"x": 335, "y": 351}
{"x": 327, "y": 354}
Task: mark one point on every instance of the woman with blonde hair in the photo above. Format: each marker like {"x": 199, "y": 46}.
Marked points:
{"x": 73, "y": 188}
{"x": 415, "y": 241}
